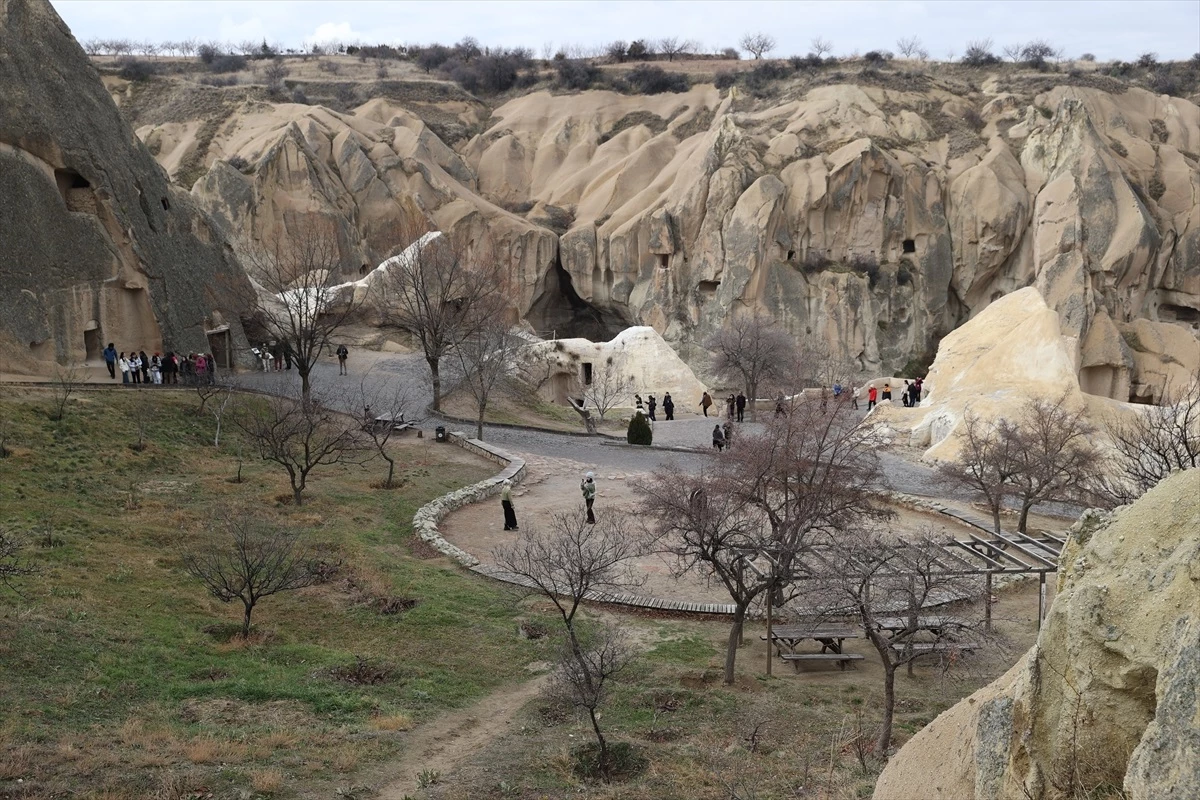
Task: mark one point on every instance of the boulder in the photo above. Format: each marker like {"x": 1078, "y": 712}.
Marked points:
{"x": 1107, "y": 696}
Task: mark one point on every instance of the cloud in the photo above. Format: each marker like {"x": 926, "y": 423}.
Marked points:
{"x": 334, "y": 32}
{"x": 251, "y": 29}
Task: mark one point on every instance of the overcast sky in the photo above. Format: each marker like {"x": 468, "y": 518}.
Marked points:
{"x": 1107, "y": 28}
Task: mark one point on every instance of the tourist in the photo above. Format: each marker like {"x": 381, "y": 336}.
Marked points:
{"x": 144, "y": 361}
{"x": 156, "y": 370}
{"x": 730, "y": 403}
{"x": 588, "y": 487}
{"x": 780, "y": 410}
{"x": 123, "y": 365}
{"x": 637, "y": 401}
{"x": 201, "y": 368}
{"x": 170, "y": 368}
{"x": 277, "y": 356}
{"x": 288, "y": 355}
{"x": 187, "y": 368}
{"x": 741, "y": 406}
{"x": 110, "y": 360}
{"x": 718, "y": 438}
{"x": 669, "y": 406}
{"x": 837, "y": 389}
{"x": 705, "y": 402}
{"x": 135, "y": 367}
{"x": 887, "y": 391}
{"x": 510, "y": 514}
{"x": 212, "y": 368}
{"x": 264, "y": 352}
{"x": 728, "y": 430}
{"x": 906, "y": 394}
{"x": 342, "y": 354}
{"x": 652, "y": 404}
{"x": 914, "y": 399}
{"x": 854, "y": 397}
{"x": 872, "y": 394}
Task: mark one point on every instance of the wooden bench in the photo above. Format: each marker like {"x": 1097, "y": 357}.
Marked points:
{"x": 925, "y": 648}
{"x": 842, "y": 659}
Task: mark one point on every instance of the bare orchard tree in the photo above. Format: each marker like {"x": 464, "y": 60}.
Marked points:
{"x": 1056, "y": 454}
{"x": 487, "y": 356}
{"x": 909, "y": 46}
{"x": 305, "y": 301}
{"x": 63, "y": 385}
{"x": 255, "y": 561}
{"x": 380, "y": 400}
{"x": 987, "y": 461}
{"x": 821, "y": 47}
{"x": 584, "y": 679}
{"x": 751, "y": 349}
{"x": 11, "y": 566}
{"x": 221, "y": 403}
{"x": 565, "y": 564}
{"x": 1154, "y": 441}
{"x": 299, "y": 436}
{"x": 440, "y": 290}
{"x": 870, "y": 576}
{"x": 673, "y": 47}
{"x": 757, "y": 44}
{"x": 611, "y": 383}
{"x": 1012, "y": 52}
{"x": 709, "y": 530}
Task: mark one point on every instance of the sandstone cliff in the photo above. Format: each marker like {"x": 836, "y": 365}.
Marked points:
{"x": 875, "y": 218}
{"x": 1107, "y": 698}
{"x": 96, "y": 244}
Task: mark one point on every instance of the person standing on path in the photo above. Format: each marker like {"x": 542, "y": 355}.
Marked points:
{"x": 887, "y": 391}
{"x": 741, "y": 407}
{"x": 854, "y": 397}
{"x": 728, "y": 430}
{"x": 652, "y": 404}
{"x": 730, "y": 404}
{"x": 510, "y": 514}
{"x": 705, "y": 402}
{"x": 123, "y": 365}
{"x": 135, "y": 368}
{"x": 588, "y": 487}
{"x": 342, "y": 354}
{"x": 872, "y": 394}
{"x": 669, "y": 407}
{"x": 110, "y": 360}
{"x": 718, "y": 438}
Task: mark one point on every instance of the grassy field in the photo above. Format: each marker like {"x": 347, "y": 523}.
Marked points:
{"x": 123, "y": 679}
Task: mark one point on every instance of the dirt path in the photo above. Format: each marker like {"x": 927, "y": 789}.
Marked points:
{"x": 441, "y": 744}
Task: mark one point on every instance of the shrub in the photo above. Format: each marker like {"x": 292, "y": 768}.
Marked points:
{"x": 814, "y": 261}
{"x": 227, "y": 63}
{"x": 724, "y": 79}
{"x": 1147, "y": 60}
{"x": 731, "y": 53}
{"x": 133, "y": 69}
{"x": 576, "y": 74}
{"x": 979, "y": 54}
{"x": 206, "y": 53}
{"x": 866, "y": 265}
{"x": 345, "y": 93}
{"x": 655, "y": 80}
{"x": 1036, "y": 53}
{"x": 432, "y": 57}
{"x": 974, "y": 119}
{"x": 1088, "y": 57}
{"x": 1196, "y": 60}
{"x": 638, "y": 49}
{"x": 490, "y": 74}
{"x": 877, "y": 57}
{"x": 639, "y": 430}
{"x": 328, "y": 66}
{"x": 1164, "y": 83}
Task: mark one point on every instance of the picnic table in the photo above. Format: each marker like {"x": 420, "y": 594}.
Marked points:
{"x": 786, "y": 638}
{"x": 394, "y": 421}
{"x": 937, "y": 625}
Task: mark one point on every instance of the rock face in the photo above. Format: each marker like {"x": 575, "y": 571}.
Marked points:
{"x": 872, "y": 219}
{"x": 1108, "y": 695}
{"x": 96, "y": 245}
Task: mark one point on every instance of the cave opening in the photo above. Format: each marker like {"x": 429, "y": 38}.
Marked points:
{"x": 663, "y": 259}
{"x": 76, "y": 191}
{"x": 92, "y": 348}
{"x": 561, "y": 313}
{"x": 909, "y": 245}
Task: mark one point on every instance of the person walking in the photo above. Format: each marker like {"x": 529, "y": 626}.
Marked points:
{"x": 510, "y": 514}
{"x": 740, "y": 402}
{"x": 705, "y": 402}
{"x": 918, "y": 388}
{"x": 669, "y": 406}
{"x": 588, "y": 487}
{"x": 123, "y": 365}
{"x": 718, "y": 438}
{"x": 652, "y": 404}
{"x": 212, "y": 368}
{"x": 872, "y": 394}
{"x": 110, "y": 360}
{"x": 342, "y": 354}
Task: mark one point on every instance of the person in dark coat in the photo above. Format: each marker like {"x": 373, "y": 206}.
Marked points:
{"x": 510, "y": 513}
{"x": 145, "y": 366}
{"x": 730, "y": 404}
{"x": 718, "y": 438}
{"x": 705, "y": 402}
{"x": 110, "y": 360}
{"x": 728, "y": 429}
{"x": 588, "y": 488}
{"x": 741, "y": 407}
{"x": 651, "y": 404}
{"x": 669, "y": 406}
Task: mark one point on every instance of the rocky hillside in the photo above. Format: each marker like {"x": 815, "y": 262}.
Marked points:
{"x": 874, "y": 214}
{"x": 96, "y": 244}
{"x": 1107, "y": 698}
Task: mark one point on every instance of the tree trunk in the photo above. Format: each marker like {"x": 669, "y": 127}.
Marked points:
{"x": 752, "y": 391}
{"x": 996, "y": 517}
{"x": 296, "y": 490}
{"x": 479, "y": 421}
{"x": 246, "y": 622}
{"x": 305, "y": 383}
{"x": 735, "y": 637}
{"x": 436, "y": 375}
{"x": 1024, "y": 518}
{"x": 889, "y": 706}
{"x": 391, "y": 470}
{"x": 603, "y": 744}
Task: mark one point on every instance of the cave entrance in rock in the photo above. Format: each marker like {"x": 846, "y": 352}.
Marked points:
{"x": 587, "y": 374}
{"x": 92, "y": 347}
{"x": 664, "y": 260}
{"x": 75, "y": 190}
{"x": 562, "y": 314}
{"x": 221, "y": 346}
{"x": 909, "y": 246}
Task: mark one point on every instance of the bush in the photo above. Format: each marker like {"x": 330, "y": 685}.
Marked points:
{"x": 1148, "y": 60}
{"x": 866, "y": 265}
{"x": 814, "y": 261}
{"x": 1036, "y": 53}
{"x": 1089, "y": 57}
{"x": 227, "y": 63}
{"x": 490, "y": 74}
{"x": 206, "y": 53}
{"x": 731, "y": 53}
{"x": 625, "y": 761}
{"x": 638, "y": 50}
{"x": 133, "y": 69}
{"x": 655, "y": 80}
{"x": 810, "y": 61}
{"x": 328, "y": 66}
{"x": 974, "y": 120}
{"x": 432, "y": 57}
{"x": 576, "y": 74}
{"x": 724, "y": 79}
{"x": 1164, "y": 83}
{"x": 979, "y": 54}
{"x": 877, "y": 57}
{"x": 639, "y": 430}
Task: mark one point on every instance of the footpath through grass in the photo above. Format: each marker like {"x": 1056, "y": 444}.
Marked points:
{"x": 122, "y": 678}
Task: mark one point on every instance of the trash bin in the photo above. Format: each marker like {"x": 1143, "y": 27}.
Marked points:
{"x": 440, "y": 433}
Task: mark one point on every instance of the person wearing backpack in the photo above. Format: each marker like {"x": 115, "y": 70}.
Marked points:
{"x": 588, "y": 487}
{"x": 342, "y": 354}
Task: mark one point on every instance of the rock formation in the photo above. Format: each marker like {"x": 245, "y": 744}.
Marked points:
{"x": 1107, "y": 697}
{"x": 96, "y": 244}
{"x": 872, "y": 218}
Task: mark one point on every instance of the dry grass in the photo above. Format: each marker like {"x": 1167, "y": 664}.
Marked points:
{"x": 267, "y": 780}
{"x": 392, "y": 722}
{"x": 345, "y": 759}
{"x": 17, "y": 762}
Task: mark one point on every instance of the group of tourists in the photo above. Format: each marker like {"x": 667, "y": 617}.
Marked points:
{"x": 156, "y": 370}
{"x": 910, "y": 395}
{"x": 587, "y": 488}
{"x": 278, "y": 356}
{"x": 649, "y": 407}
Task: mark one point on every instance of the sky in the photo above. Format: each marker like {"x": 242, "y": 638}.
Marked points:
{"x": 1109, "y": 29}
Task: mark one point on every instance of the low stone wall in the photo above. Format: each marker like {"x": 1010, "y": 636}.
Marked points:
{"x": 425, "y": 521}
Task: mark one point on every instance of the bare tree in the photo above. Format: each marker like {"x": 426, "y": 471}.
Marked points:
{"x": 584, "y": 679}
{"x": 486, "y": 356}
{"x": 64, "y": 384}
{"x": 1154, "y": 441}
{"x": 258, "y": 561}
{"x": 390, "y": 404}
{"x": 757, "y": 44}
{"x": 909, "y": 46}
{"x": 610, "y": 384}
{"x": 753, "y": 349}
{"x": 299, "y": 435}
{"x": 441, "y": 291}
{"x": 869, "y": 576}
{"x": 1012, "y": 52}
{"x": 1037, "y": 52}
{"x": 1055, "y": 454}
{"x": 566, "y": 564}
{"x": 274, "y": 74}
{"x": 672, "y": 46}
{"x": 821, "y": 47}
{"x": 304, "y": 303}
{"x": 987, "y": 461}
{"x": 222, "y": 402}
{"x": 11, "y": 566}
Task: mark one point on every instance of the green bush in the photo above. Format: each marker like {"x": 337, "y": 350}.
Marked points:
{"x": 639, "y": 430}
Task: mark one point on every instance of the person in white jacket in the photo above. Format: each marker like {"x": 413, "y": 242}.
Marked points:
{"x": 123, "y": 365}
